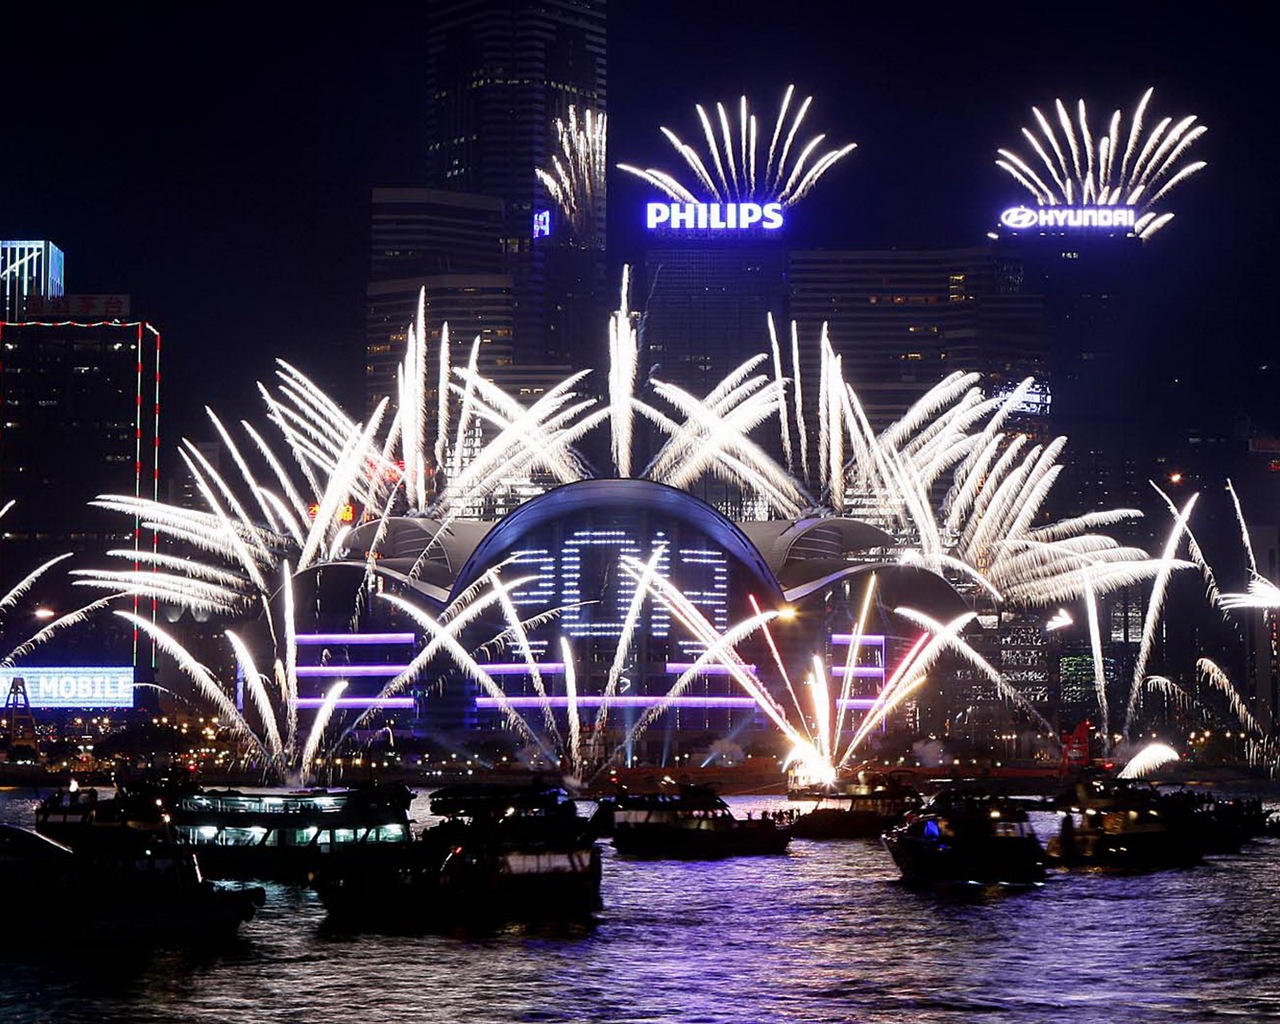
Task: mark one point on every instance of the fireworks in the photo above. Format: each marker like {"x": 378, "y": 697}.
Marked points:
{"x": 279, "y": 507}
{"x": 785, "y": 172}
{"x": 576, "y": 179}
{"x": 1134, "y": 167}
{"x": 10, "y": 653}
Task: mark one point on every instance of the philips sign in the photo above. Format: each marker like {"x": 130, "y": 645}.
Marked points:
{"x": 713, "y": 216}
{"x": 73, "y": 687}
{"x": 1026, "y": 218}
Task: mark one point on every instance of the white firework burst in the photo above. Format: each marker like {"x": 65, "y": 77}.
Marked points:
{"x": 786, "y": 174}
{"x": 1073, "y": 163}
{"x": 576, "y": 179}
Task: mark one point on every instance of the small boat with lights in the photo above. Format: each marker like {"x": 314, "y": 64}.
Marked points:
{"x": 1113, "y": 824}
{"x": 690, "y": 823}
{"x": 501, "y": 853}
{"x": 286, "y": 835}
{"x": 966, "y": 835}
{"x": 861, "y": 807}
{"x": 138, "y": 890}
{"x": 275, "y": 835}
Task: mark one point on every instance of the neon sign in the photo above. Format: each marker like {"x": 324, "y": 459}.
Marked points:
{"x": 344, "y": 513}
{"x": 95, "y": 687}
{"x": 713, "y": 216}
{"x": 541, "y": 223}
{"x": 1026, "y": 218}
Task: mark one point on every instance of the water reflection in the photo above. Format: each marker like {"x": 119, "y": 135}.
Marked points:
{"x": 825, "y": 933}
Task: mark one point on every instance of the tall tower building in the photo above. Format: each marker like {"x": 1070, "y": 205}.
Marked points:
{"x": 28, "y": 270}
{"x": 499, "y": 74}
{"x": 79, "y": 418}
{"x": 449, "y": 244}
{"x": 904, "y": 319}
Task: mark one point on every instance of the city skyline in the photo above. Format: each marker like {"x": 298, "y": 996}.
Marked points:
{"x": 230, "y": 197}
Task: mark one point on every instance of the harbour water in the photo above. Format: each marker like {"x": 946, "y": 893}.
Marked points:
{"x": 824, "y": 933}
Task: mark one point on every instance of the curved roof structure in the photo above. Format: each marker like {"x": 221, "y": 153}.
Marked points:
{"x": 789, "y": 560}
{"x": 626, "y": 495}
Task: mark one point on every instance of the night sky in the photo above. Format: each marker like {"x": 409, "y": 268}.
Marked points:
{"x": 215, "y": 162}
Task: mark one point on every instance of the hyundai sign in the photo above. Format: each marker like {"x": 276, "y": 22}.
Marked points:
{"x": 1061, "y": 218}
{"x": 73, "y": 687}
{"x": 712, "y": 216}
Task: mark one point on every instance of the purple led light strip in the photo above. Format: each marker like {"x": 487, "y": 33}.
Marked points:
{"x": 492, "y": 703}
{"x": 680, "y": 667}
{"x": 868, "y": 639}
{"x": 390, "y": 703}
{"x": 499, "y": 668}
{"x": 353, "y": 639}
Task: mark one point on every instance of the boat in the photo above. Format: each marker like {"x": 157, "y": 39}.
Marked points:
{"x": 138, "y": 891}
{"x": 501, "y": 853}
{"x": 1114, "y": 824}
{"x": 967, "y": 835}
{"x": 690, "y": 822}
{"x": 859, "y": 808}
{"x": 281, "y": 836}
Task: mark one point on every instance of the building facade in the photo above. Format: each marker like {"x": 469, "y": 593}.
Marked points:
{"x": 28, "y": 270}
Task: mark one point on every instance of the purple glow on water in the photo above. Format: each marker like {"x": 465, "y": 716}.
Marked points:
{"x": 492, "y": 703}
{"x": 352, "y": 639}
{"x": 387, "y": 703}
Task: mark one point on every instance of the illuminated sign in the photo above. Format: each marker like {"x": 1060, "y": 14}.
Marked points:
{"x": 541, "y": 223}
{"x": 1027, "y": 218}
{"x": 94, "y": 687}
{"x": 82, "y": 307}
{"x": 344, "y": 514}
{"x": 713, "y": 216}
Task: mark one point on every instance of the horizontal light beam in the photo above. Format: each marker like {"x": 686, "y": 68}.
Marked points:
{"x": 586, "y": 701}
{"x": 387, "y": 703}
{"x": 353, "y": 639}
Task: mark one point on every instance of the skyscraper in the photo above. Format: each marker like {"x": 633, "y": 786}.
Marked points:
{"x": 28, "y": 270}
{"x": 499, "y": 73}
{"x": 79, "y": 418}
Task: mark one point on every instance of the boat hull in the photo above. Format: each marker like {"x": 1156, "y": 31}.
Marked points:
{"x": 1003, "y": 861}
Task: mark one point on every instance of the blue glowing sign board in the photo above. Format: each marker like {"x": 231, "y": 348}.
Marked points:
{"x": 1062, "y": 218}
{"x": 713, "y": 217}
{"x": 541, "y": 223}
{"x": 78, "y": 687}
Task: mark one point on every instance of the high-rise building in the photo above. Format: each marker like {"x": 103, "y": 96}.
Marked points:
{"x": 79, "y": 418}
{"x": 28, "y": 270}
{"x": 499, "y": 74}
{"x": 904, "y": 319}
{"x": 449, "y": 244}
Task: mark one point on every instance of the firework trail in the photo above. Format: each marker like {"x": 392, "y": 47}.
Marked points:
{"x": 1155, "y": 605}
{"x": 735, "y": 162}
{"x": 1139, "y": 175}
{"x": 576, "y": 180}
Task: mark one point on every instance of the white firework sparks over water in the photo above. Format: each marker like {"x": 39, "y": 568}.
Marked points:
{"x": 576, "y": 180}
{"x": 1074, "y": 163}
{"x": 738, "y": 164}
{"x": 280, "y": 504}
